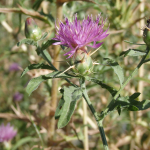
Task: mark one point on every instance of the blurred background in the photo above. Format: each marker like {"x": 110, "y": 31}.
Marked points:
{"x": 28, "y": 114}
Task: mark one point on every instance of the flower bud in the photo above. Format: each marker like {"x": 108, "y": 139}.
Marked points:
{"x": 146, "y": 33}
{"x": 83, "y": 63}
{"x": 32, "y": 31}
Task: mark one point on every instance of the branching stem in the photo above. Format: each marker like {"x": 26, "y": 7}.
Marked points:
{"x": 99, "y": 122}
{"x": 132, "y": 74}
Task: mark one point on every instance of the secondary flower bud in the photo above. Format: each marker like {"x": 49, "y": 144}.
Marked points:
{"x": 32, "y": 31}
{"x": 83, "y": 63}
{"x": 146, "y": 33}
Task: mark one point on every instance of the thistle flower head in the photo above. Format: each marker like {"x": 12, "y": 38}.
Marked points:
{"x": 77, "y": 35}
{"x": 7, "y": 132}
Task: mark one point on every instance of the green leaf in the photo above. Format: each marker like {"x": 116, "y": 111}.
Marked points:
{"x": 46, "y": 56}
{"x": 49, "y": 16}
{"x": 21, "y": 142}
{"x": 117, "y": 69}
{"x": 135, "y": 95}
{"x": 44, "y": 36}
{"x": 35, "y": 66}
{"x": 70, "y": 96}
{"x": 47, "y": 44}
{"x": 35, "y": 82}
{"x": 59, "y": 108}
{"x": 133, "y": 43}
{"x": 37, "y": 4}
{"x": 133, "y": 52}
{"x": 103, "y": 85}
{"x": 126, "y": 103}
{"x": 119, "y": 110}
{"x": 141, "y": 105}
{"x": 28, "y": 42}
{"x": 132, "y": 108}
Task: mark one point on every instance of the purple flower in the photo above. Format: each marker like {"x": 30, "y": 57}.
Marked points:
{"x": 7, "y": 132}
{"x": 17, "y": 96}
{"x": 14, "y": 67}
{"x": 77, "y": 35}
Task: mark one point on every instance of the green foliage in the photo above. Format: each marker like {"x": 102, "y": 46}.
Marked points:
{"x": 117, "y": 69}
{"x": 128, "y": 103}
{"x": 133, "y": 52}
{"x": 123, "y": 17}
{"x": 21, "y": 142}
{"x": 47, "y": 44}
{"x": 103, "y": 85}
{"x": 37, "y": 4}
{"x": 35, "y": 66}
{"x": 35, "y": 82}
{"x": 28, "y": 42}
{"x": 67, "y": 105}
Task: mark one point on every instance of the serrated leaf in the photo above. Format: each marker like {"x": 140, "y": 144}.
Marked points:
{"x": 70, "y": 96}
{"x": 117, "y": 69}
{"x": 126, "y": 103}
{"x": 35, "y": 82}
{"x": 133, "y": 52}
{"x": 28, "y": 42}
{"x": 103, "y": 85}
{"x": 59, "y": 108}
{"x": 35, "y": 66}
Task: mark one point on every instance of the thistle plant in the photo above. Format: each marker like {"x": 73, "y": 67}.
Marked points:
{"x": 77, "y": 37}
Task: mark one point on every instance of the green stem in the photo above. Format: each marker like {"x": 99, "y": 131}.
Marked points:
{"x": 99, "y": 122}
{"x": 132, "y": 74}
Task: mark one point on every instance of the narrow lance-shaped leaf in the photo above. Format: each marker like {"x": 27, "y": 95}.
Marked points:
{"x": 70, "y": 96}
{"x": 36, "y": 66}
{"x": 117, "y": 69}
{"x": 28, "y": 42}
{"x": 47, "y": 44}
{"x": 127, "y": 103}
{"x": 35, "y": 82}
{"x": 103, "y": 85}
{"x": 59, "y": 109}
{"x": 133, "y": 52}
{"x": 37, "y": 4}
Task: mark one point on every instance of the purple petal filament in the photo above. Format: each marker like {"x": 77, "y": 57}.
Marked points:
{"x": 77, "y": 35}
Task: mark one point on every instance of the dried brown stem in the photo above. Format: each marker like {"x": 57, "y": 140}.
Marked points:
{"x": 54, "y": 91}
{"x": 24, "y": 11}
